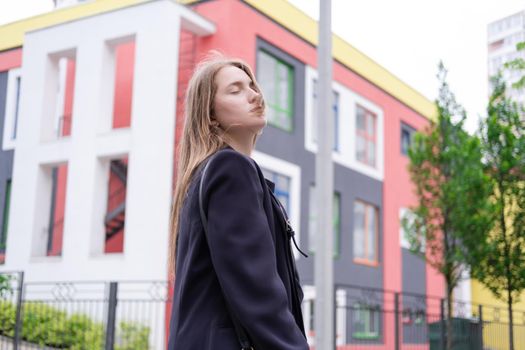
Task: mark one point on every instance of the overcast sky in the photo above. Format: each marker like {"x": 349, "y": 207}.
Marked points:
{"x": 407, "y": 37}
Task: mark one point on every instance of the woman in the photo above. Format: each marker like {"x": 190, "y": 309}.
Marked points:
{"x": 235, "y": 275}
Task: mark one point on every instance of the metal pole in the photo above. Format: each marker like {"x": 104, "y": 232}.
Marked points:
{"x": 443, "y": 331}
{"x": 396, "y": 320}
{"x": 480, "y": 311}
{"x": 18, "y": 315}
{"x": 323, "y": 267}
{"x": 111, "y": 316}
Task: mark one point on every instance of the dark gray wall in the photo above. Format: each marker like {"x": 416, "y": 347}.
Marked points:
{"x": 6, "y": 157}
{"x": 350, "y": 184}
{"x": 414, "y": 277}
{"x": 414, "y": 273}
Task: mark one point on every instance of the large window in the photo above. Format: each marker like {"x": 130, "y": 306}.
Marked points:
{"x": 5, "y": 217}
{"x": 407, "y": 137}
{"x": 336, "y": 221}
{"x": 276, "y": 80}
{"x": 316, "y": 116}
{"x": 366, "y": 321}
{"x": 366, "y": 227}
{"x": 282, "y": 187}
{"x": 366, "y": 136}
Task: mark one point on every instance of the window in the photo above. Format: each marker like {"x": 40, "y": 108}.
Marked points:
{"x": 55, "y": 231}
{"x": 366, "y": 138}
{"x": 115, "y": 219}
{"x": 366, "y": 321}
{"x": 5, "y": 217}
{"x": 406, "y": 316}
{"x": 407, "y": 137}
{"x": 17, "y": 106}
{"x": 282, "y": 187}
{"x": 335, "y": 110}
{"x": 365, "y": 233}
{"x": 287, "y": 179}
{"x": 276, "y": 80}
{"x": 341, "y": 315}
{"x": 124, "y": 55}
{"x": 407, "y": 220}
{"x": 336, "y": 221}
{"x": 12, "y": 108}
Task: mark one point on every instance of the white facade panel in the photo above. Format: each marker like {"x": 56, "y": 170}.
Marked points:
{"x": 148, "y": 143}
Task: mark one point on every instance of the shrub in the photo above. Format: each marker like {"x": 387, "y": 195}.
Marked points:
{"x": 48, "y": 326}
{"x": 7, "y": 319}
{"x": 132, "y": 336}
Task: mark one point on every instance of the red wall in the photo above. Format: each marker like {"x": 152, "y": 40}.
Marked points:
{"x": 10, "y": 59}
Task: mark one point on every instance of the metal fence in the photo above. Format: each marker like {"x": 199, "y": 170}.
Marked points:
{"x": 132, "y": 316}
{"x": 83, "y": 315}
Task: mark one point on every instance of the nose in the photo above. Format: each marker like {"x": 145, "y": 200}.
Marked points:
{"x": 255, "y": 97}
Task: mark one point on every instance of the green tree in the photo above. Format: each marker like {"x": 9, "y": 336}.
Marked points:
{"x": 5, "y": 285}
{"x": 501, "y": 263}
{"x": 452, "y": 192}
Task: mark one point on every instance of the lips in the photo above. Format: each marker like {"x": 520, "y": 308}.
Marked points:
{"x": 258, "y": 110}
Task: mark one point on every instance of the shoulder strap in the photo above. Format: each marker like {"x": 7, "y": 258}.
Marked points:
{"x": 241, "y": 333}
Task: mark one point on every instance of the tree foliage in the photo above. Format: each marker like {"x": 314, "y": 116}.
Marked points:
{"x": 500, "y": 264}
{"x": 452, "y": 192}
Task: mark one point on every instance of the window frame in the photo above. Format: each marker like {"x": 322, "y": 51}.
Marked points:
{"x": 5, "y": 216}
{"x": 341, "y": 314}
{"x": 293, "y": 171}
{"x": 365, "y": 309}
{"x": 290, "y": 86}
{"x": 406, "y": 213}
{"x": 336, "y": 223}
{"x": 366, "y": 136}
{"x": 336, "y": 115}
{"x": 348, "y": 99}
{"x": 364, "y": 260}
{"x": 411, "y": 131}
{"x": 12, "y": 108}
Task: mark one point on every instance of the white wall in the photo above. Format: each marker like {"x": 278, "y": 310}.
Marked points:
{"x": 148, "y": 143}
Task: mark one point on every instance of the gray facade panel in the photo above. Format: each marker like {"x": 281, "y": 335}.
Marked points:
{"x": 6, "y": 157}
{"x": 414, "y": 277}
{"x": 414, "y": 273}
{"x": 351, "y": 185}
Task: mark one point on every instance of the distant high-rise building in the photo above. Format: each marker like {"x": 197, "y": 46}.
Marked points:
{"x": 65, "y": 3}
{"x": 502, "y": 37}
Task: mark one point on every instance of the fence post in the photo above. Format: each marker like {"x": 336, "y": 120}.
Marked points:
{"x": 443, "y": 331}
{"x": 480, "y": 312}
{"x": 335, "y": 317}
{"x": 110, "y": 322}
{"x": 18, "y": 315}
{"x": 396, "y": 320}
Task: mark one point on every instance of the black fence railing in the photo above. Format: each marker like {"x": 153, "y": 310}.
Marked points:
{"x": 83, "y": 315}
{"x": 132, "y": 316}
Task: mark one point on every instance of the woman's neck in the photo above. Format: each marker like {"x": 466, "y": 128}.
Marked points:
{"x": 243, "y": 144}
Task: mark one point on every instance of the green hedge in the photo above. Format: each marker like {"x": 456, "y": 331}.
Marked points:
{"x": 48, "y": 326}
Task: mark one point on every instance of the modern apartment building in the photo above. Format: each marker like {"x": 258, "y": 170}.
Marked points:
{"x": 91, "y": 108}
{"x": 502, "y": 37}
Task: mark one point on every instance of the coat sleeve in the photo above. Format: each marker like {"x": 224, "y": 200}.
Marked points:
{"x": 243, "y": 253}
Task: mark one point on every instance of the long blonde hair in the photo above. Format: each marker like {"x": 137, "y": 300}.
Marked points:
{"x": 201, "y": 136}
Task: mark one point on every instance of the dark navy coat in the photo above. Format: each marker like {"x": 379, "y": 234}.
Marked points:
{"x": 245, "y": 260}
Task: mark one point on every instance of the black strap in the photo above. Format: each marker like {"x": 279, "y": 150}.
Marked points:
{"x": 241, "y": 333}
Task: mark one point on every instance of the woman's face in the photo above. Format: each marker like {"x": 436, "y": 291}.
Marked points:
{"x": 237, "y": 105}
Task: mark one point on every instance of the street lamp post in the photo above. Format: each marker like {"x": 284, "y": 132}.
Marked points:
{"x": 323, "y": 267}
